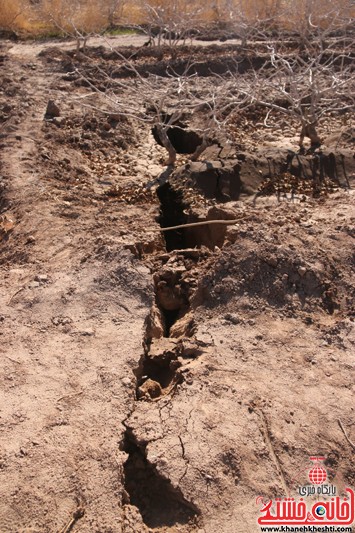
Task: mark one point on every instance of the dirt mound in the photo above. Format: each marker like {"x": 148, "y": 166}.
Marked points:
{"x": 257, "y": 273}
{"x": 92, "y": 131}
{"x": 214, "y": 179}
{"x": 269, "y": 171}
{"x": 163, "y": 61}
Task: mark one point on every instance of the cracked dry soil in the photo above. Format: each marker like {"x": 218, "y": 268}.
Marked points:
{"x": 158, "y": 381}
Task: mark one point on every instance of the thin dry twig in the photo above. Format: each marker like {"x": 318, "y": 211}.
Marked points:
{"x": 13, "y": 360}
{"x": 202, "y": 223}
{"x": 15, "y": 294}
{"x": 77, "y": 514}
{"x": 345, "y": 434}
{"x": 66, "y": 396}
{"x": 267, "y": 437}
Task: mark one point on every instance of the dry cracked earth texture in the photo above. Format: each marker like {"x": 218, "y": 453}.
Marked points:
{"x": 153, "y": 383}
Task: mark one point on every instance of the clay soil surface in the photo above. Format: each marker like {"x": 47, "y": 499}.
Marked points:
{"x": 153, "y": 384}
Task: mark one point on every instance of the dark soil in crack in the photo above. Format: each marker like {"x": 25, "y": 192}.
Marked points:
{"x": 160, "y": 504}
{"x": 183, "y": 140}
{"x": 172, "y": 214}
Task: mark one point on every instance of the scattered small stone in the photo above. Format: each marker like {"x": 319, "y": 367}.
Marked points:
{"x": 41, "y": 278}
{"x": 33, "y": 285}
{"x": 87, "y": 332}
{"x": 234, "y": 319}
{"x": 126, "y": 382}
{"x": 272, "y": 261}
{"x": 61, "y": 320}
{"x": 149, "y": 388}
{"x": 52, "y": 110}
{"x": 59, "y": 121}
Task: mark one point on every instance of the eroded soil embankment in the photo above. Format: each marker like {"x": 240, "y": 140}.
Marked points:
{"x": 225, "y": 280}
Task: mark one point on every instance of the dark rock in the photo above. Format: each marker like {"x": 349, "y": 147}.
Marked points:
{"x": 212, "y": 179}
{"x": 52, "y": 110}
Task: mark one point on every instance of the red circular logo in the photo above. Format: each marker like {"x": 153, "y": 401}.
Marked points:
{"x": 317, "y": 475}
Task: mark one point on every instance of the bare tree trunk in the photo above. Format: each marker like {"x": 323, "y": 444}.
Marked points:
{"x": 309, "y": 130}
{"x": 167, "y": 145}
{"x": 199, "y": 150}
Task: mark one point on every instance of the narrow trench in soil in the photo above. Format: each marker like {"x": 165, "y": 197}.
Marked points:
{"x": 172, "y": 214}
{"x": 170, "y": 317}
{"x": 159, "y": 503}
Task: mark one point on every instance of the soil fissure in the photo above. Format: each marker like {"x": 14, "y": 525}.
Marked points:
{"x": 172, "y": 214}
{"x": 160, "y": 369}
{"x": 159, "y": 503}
